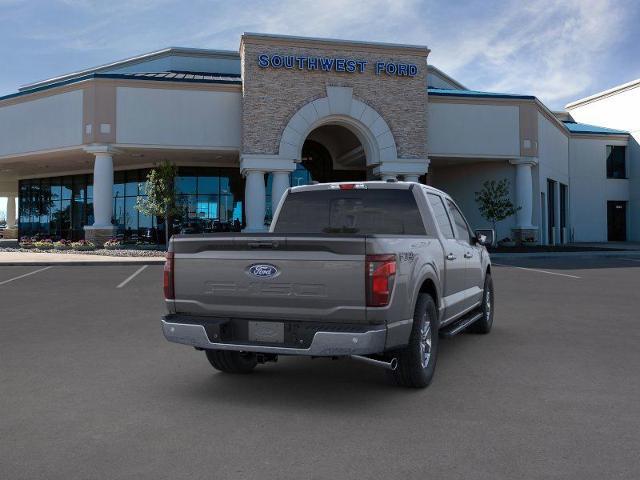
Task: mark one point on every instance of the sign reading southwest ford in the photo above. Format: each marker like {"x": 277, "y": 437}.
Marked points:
{"x": 331, "y": 64}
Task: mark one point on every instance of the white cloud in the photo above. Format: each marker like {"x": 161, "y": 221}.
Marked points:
{"x": 546, "y": 48}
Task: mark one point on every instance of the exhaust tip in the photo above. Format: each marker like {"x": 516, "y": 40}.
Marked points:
{"x": 393, "y": 364}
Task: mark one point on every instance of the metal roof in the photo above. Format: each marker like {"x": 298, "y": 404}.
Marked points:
{"x": 475, "y": 93}
{"x": 177, "y": 75}
{"x": 186, "y": 77}
{"x": 135, "y": 60}
{"x": 585, "y": 128}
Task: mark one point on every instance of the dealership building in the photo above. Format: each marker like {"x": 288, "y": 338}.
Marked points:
{"x": 244, "y": 126}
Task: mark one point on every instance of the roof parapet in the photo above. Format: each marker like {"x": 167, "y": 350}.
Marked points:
{"x": 603, "y": 94}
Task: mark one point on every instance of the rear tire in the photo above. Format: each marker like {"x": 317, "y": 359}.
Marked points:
{"x": 232, "y": 362}
{"x": 483, "y": 326}
{"x": 417, "y": 362}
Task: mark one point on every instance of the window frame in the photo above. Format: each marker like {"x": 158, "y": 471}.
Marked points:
{"x": 469, "y": 239}
{"x": 446, "y": 211}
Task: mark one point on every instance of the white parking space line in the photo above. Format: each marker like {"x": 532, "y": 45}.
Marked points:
{"x": 25, "y": 275}
{"x": 536, "y": 270}
{"x": 132, "y": 276}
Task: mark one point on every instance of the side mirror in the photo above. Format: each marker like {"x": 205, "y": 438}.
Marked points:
{"x": 485, "y": 237}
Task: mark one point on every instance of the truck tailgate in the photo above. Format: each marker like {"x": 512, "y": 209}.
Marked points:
{"x": 271, "y": 276}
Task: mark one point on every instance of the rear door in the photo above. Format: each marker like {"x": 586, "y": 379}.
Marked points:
{"x": 474, "y": 282}
{"x": 455, "y": 263}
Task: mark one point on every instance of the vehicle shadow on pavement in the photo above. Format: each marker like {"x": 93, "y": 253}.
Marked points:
{"x": 317, "y": 384}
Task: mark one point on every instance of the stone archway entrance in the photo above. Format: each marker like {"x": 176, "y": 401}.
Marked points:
{"x": 332, "y": 153}
{"x": 295, "y": 90}
{"x": 334, "y": 138}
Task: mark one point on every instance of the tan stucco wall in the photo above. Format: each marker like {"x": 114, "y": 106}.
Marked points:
{"x": 271, "y": 96}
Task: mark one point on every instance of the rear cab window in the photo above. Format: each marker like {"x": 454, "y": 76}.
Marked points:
{"x": 359, "y": 211}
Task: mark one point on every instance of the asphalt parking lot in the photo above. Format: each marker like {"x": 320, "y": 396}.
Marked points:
{"x": 90, "y": 389}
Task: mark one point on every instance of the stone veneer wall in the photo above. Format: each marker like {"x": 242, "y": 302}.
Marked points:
{"x": 271, "y": 96}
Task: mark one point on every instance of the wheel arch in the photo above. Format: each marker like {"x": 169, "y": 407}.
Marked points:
{"x": 429, "y": 284}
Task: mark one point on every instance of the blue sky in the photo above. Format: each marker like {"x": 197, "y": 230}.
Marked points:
{"x": 557, "y": 50}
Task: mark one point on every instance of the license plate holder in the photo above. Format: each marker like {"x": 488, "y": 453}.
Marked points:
{"x": 266, "y": 332}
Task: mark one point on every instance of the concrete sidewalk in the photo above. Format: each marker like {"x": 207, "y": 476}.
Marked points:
{"x": 32, "y": 258}
{"x": 616, "y": 245}
{"x": 593, "y": 253}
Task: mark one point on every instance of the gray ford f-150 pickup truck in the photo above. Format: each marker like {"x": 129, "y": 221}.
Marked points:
{"x": 376, "y": 271}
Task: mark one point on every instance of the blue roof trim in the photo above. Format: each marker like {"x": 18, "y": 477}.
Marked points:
{"x": 226, "y": 80}
{"x": 444, "y": 92}
{"x": 585, "y": 128}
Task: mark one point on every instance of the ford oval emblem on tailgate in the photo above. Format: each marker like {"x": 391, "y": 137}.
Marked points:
{"x": 263, "y": 270}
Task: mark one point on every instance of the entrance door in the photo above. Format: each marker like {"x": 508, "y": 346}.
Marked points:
{"x": 543, "y": 215}
{"x": 617, "y": 221}
{"x": 551, "y": 211}
{"x": 563, "y": 212}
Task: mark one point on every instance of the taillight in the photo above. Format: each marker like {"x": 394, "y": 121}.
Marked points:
{"x": 381, "y": 275}
{"x": 169, "y": 292}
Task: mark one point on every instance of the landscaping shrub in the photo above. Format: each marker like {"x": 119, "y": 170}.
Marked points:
{"x": 83, "y": 245}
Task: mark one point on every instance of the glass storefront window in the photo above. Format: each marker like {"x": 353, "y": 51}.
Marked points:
{"x": 67, "y": 188}
{"x": 130, "y": 214}
{"x": 90, "y": 186}
{"x": 131, "y": 185}
{"x": 118, "y": 184}
{"x": 187, "y": 185}
{"x": 118, "y": 213}
{"x": 300, "y": 176}
{"x": 208, "y": 185}
{"x": 59, "y": 207}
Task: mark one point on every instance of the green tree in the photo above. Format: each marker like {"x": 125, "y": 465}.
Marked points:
{"x": 494, "y": 201}
{"x": 161, "y": 198}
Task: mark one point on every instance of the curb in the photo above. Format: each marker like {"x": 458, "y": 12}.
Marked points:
{"x": 594, "y": 253}
{"x": 88, "y": 263}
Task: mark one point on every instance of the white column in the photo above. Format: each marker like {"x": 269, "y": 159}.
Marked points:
{"x": 255, "y": 200}
{"x": 279, "y": 185}
{"x": 253, "y": 166}
{"x": 524, "y": 192}
{"x": 412, "y": 178}
{"x": 11, "y": 212}
{"x": 103, "y": 189}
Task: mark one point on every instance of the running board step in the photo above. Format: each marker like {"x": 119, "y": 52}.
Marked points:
{"x": 460, "y": 324}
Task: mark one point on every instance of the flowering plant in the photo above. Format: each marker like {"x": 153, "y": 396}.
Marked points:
{"x": 26, "y": 242}
{"x": 113, "y": 244}
{"x": 146, "y": 246}
{"x": 83, "y": 245}
{"x": 46, "y": 244}
{"x": 62, "y": 244}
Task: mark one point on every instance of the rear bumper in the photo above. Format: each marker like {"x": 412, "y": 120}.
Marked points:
{"x": 324, "y": 344}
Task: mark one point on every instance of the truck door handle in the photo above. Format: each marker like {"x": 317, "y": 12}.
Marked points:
{"x": 468, "y": 255}
{"x": 451, "y": 256}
